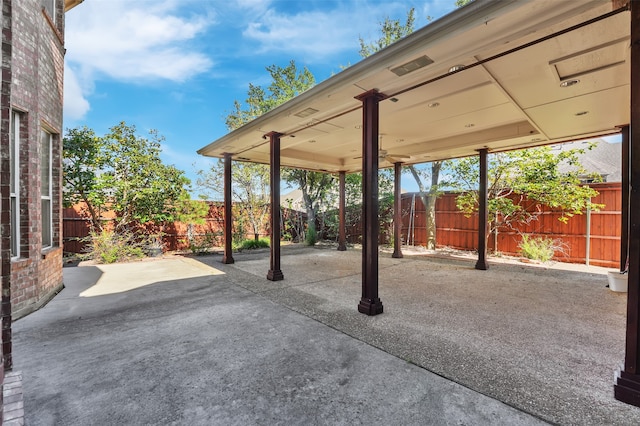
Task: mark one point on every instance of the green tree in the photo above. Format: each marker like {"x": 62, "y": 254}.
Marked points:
{"x": 286, "y": 83}
{"x": 123, "y": 172}
{"x": 316, "y": 188}
{"x": 82, "y": 162}
{"x": 353, "y": 197}
{"x": 526, "y": 176}
{"x": 429, "y": 196}
{"x": 250, "y": 188}
{"x": 391, "y": 31}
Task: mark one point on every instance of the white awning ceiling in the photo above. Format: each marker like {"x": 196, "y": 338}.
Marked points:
{"x": 512, "y": 101}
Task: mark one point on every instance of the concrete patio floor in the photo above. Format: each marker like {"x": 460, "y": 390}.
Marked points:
{"x": 193, "y": 341}
{"x": 546, "y": 340}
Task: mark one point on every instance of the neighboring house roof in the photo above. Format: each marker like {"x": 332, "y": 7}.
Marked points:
{"x": 499, "y": 75}
{"x": 293, "y": 200}
{"x": 604, "y": 159}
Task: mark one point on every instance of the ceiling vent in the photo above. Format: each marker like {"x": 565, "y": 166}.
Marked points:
{"x": 306, "y": 112}
{"x": 418, "y": 63}
{"x": 591, "y": 60}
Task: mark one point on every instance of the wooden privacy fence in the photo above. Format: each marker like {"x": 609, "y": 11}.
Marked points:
{"x": 176, "y": 235}
{"x": 453, "y": 229}
{"x": 76, "y": 228}
{"x": 602, "y": 228}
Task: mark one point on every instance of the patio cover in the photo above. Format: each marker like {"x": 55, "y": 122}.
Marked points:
{"x": 496, "y": 100}
{"x": 491, "y": 76}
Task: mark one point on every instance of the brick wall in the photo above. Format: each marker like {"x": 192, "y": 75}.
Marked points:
{"x": 37, "y": 91}
{"x": 31, "y": 82}
{"x": 5, "y": 253}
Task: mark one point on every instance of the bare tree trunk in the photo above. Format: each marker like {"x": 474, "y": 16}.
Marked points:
{"x": 422, "y": 196}
{"x": 311, "y": 216}
{"x": 311, "y": 219}
{"x": 431, "y": 205}
{"x": 431, "y": 222}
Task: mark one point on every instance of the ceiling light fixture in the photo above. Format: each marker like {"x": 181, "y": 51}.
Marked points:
{"x": 433, "y": 104}
{"x": 393, "y": 99}
{"x": 569, "y": 83}
{"x": 456, "y": 68}
{"x": 579, "y": 113}
{"x": 469, "y": 125}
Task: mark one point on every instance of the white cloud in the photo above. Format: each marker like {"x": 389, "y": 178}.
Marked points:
{"x": 132, "y": 41}
{"x": 316, "y": 34}
{"x": 321, "y": 33}
{"x": 255, "y": 5}
{"x": 75, "y": 104}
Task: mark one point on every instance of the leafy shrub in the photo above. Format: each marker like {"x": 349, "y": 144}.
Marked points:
{"x": 109, "y": 247}
{"x": 537, "y": 248}
{"x": 251, "y": 244}
{"x": 200, "y": 244}
{"x": 311, "y": 238}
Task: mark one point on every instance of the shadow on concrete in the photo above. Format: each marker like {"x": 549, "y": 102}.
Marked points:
{"x": 206, "y": 350}
{"x": 541, "y": 339}
{"x": 76, "y": 280}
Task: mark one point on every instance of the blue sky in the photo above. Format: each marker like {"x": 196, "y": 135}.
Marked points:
{"x": 178, "y": 65}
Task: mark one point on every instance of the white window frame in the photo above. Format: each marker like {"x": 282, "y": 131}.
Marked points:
{"x": 46, "y": 138}
{"x": 14, "y": 203}
{"x": 50, "y": 7}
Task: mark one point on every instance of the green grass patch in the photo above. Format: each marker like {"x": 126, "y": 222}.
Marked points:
{"x": 252, "y": 244}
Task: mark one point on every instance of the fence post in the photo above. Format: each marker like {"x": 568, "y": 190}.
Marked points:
{"x": 588, "y": 235}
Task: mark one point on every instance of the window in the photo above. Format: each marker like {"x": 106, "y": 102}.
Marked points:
{"x": 45, "y": 194}
{"x": 14, "y": 197}
{"x": 50, "y": 7}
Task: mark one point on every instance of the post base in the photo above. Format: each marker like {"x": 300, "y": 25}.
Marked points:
{"x": 397, "y": 255}
{"x": 228, "y": 260}
{"x": 627, "y": 388}
{"x": 370, "y": 307}
{"x": 482, "y": 265}
{"x": 342, "y": 247}
{"x": 276, "y": 275}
